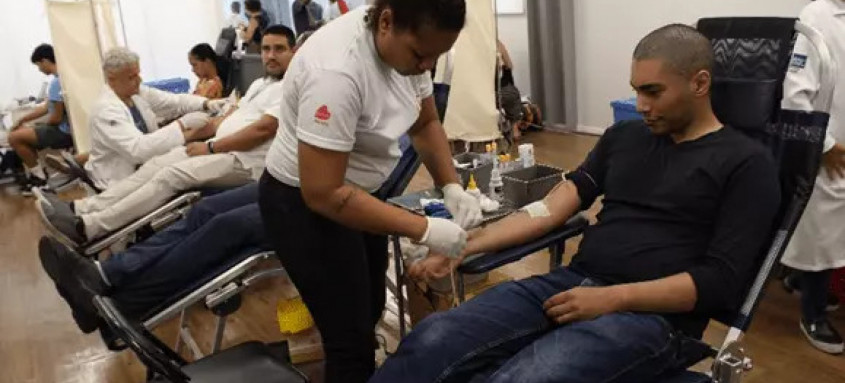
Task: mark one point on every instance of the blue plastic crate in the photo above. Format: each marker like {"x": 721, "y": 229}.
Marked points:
{"x": 173, "y": 85}
{"x": 625, "y": 110}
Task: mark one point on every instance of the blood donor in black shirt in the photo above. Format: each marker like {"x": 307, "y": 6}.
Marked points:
{"x": 688, "y": 206}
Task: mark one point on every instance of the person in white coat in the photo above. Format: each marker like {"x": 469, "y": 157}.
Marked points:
{"x": 124, "y": 121}
{"x": 233, "y": 157}
{"x": 818, "y": 245}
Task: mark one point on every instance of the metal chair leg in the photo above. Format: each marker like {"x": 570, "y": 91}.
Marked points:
{"x": 218, "y": 335}
{"x": 189, "y": 340}
{"x": 556, "y": 251}
{"x": 400, "y": 295}
{"x": 178, "y": 346}
{"x": 461, "y": 291}
{"x": 183, "y": 336}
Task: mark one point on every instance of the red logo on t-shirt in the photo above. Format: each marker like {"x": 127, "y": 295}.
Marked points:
{"x": 323, "y": 114}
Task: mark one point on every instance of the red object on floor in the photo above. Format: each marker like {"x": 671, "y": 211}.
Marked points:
{"x": 837, "y": 284}
{"x": 343, "y": 7}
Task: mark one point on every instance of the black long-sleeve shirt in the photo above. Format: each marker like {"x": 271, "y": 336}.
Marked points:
{"x": 705, "y": 207}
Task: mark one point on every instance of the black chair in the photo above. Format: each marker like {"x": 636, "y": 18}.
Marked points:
{"x": 395, "y": 185}
{"x": 243, "y": 71}
{"x": 77, "y": 171}
{"x": 752, "y": 55}
{"x": 250, "y": 362}
{"x": 220, "y": 290}
{"x": 554, "y": 241}
{"x": 401, "y": 176}
{"x": 224, "y": 48}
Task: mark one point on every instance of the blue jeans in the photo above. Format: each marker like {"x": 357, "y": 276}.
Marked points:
{"x": 503, "y": 336}
{"x": 130, "y": 263}
{"x": 217, "y": 228}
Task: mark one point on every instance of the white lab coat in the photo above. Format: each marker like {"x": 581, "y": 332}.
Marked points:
{"x": 118, "y": 147}
{"x": 819, "y": 240}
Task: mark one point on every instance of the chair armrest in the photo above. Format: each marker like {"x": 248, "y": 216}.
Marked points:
{"x": 99, "y": 244}
{"x": 77, "y": 171}
{"x": 236, "y": 267}
{"x": 486, "y": 262}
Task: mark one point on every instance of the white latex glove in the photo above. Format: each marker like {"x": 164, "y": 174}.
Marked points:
{"x": 465, "y": 208}
{"x": 195, "y": 120}
{"x": 445, "y": 237}
{"x": 217, "y": 107}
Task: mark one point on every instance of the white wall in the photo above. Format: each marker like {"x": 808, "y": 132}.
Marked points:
{"x": 163, "y": 31}
{"x": 606, "y": 32}
{"x": 23, "y": 26}
{"x": 513, "y": 32}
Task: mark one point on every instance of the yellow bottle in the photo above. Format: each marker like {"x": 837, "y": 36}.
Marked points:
{"x": 472, "y": 187}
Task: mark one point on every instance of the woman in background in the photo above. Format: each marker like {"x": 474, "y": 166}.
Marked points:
{"x": 203, "y": 61}
{"x": 258, "y": 21}
{"x": 510, "y": 99}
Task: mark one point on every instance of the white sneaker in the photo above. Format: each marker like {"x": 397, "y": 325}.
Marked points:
{"x": 823, "y": 336}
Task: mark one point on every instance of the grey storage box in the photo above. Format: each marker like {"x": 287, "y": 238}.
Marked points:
{"x": 481, "y": 173}
{"x": 530, "y": 184}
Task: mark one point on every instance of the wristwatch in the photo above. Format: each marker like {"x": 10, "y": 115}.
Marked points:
{"x": 210, "y": 146}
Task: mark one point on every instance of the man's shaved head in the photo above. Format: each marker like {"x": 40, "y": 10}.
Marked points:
{"x": 672, "y": 75}
{"x": 681, "y": 47}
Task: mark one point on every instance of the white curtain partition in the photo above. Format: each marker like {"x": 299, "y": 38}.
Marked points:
{"x": 471, "y": 115}
{"x": 77, "y": 46}
{"x": 109, "y": 26}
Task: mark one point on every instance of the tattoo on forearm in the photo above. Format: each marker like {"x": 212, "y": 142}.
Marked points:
{"x": 346, "y": 199}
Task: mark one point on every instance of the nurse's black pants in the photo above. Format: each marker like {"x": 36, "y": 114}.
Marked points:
{"x": 338, "y": 271}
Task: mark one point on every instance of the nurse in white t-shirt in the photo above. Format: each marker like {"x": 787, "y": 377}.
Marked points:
{"x": 356, "y": 87}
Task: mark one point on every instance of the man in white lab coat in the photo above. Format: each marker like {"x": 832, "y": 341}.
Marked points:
{"x": 124, "y": 125}
{"x": 818, "y": 245}
{"x": 233, "y": 157}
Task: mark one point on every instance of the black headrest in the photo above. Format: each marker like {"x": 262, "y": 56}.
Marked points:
{"x": 226, "y": 42}
{"x": 745, "y": 104}
{"x": 773, "y": 28}
{"x": 750, "y": 59}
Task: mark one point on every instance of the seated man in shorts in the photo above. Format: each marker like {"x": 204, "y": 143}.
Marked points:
{"x": 53, "y": 133}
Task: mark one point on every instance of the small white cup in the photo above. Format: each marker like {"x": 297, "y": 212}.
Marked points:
{"x": 526, "y": 155}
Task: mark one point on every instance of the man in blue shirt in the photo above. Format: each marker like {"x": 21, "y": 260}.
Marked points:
{"x": 54, "y": 133}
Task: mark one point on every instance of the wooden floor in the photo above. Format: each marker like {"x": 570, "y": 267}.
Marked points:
{"x": 39, "y": 342}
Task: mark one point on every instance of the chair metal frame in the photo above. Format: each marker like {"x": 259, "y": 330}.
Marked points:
{"x": 224, "y": 286}
{"x": 168, "y": 213}
{"x": 268, "y": 361}
{"x": 214, "y": 293}
{"x": 731, "y": 360}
